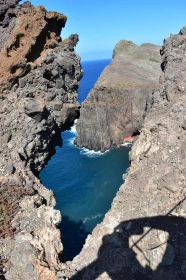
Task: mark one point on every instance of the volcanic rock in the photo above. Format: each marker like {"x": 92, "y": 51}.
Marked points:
{"x": 39, "y": 78}
{"x": 117, "y": 105}
{"x": 143, "y": 236}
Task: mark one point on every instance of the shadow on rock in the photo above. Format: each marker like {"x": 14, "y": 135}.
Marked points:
{"x": 145, "y": 248}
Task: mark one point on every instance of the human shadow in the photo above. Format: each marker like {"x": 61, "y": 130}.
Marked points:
{"x": 73, "y": 238}
{"x": 122, "y": 254}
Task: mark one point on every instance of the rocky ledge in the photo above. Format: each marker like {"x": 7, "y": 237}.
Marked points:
{"x": 117, "y": 105}
{"x": 39, "y": 78}
{"x": 143, "y": 236}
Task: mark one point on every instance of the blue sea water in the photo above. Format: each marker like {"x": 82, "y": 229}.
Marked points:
{"x": 84, "y": 182}
{"x": 92, "y": 70}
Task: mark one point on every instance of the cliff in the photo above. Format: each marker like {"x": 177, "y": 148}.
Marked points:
{"x": 39, "y": 78}
{"x": 143, "y": 236}
{"x": 116, "y": 107}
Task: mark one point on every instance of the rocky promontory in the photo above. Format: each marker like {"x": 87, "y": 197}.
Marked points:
{"x": 115, "y": 108}
{"x": 39, "y": 78}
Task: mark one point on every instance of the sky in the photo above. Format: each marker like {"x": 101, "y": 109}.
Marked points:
{"x": 102, "y": 23}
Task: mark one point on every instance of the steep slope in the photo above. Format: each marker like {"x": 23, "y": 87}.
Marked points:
{"x": 115, "y": 108}
{"x": 143, "y": 236}
{"x": 39, "y": 78}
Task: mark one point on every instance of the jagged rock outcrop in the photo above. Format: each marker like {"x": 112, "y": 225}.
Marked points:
{"x": 115, "y": 108}
{"x": 137, "y": 239}
{"x": 39, "y": 78}
{"x": 143, "y": 236}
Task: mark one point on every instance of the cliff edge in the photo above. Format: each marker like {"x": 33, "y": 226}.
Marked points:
{"x": 143, "y": 236}
{"x": 39, "y": 78}
{"x": 115, "y": 108}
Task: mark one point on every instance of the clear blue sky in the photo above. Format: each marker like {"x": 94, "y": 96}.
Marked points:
{"x": 102, "y": 23}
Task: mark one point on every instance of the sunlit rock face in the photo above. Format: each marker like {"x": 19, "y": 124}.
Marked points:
{"x": 117, "y": 105}
{"x": 143, "y": 234}
{"x": 39, "y": 78}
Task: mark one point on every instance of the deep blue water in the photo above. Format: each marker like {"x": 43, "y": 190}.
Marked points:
{"x": 92, "y": 70}
{"x": 84, "y": 182}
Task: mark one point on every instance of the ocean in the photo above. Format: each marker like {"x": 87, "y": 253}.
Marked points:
{"x": 84, "y": 182}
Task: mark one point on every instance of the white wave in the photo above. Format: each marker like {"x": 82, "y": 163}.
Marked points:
{"x": 126, "y": 144}
{"x": 83, "y": 151}
{"x": 73, "y": 132}
{"x": 70, "y": 141}
{"x": 73, "y": 129}
{"x": 91, "y": 218}
{"x": 91, "y": 153}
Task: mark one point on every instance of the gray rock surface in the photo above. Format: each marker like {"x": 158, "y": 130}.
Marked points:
{"x": 143, "y": 236}
{"x": 39, "y": 78}
{"x": 115, "y": 108}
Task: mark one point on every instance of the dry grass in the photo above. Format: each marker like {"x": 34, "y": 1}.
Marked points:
{"x": 153, "y": 60}
{"x": 129, "y": 85}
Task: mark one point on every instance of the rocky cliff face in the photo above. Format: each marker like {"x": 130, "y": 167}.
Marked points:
{"x": 39, "y": 77}
{"x": 115, "y": 108}
{"x": 143, "y": 236}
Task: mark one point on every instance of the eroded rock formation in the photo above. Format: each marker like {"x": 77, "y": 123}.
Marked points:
{"x": 143, "y": 236}
{"x": 39, "y": 78}
{"x": 115, "y": 108}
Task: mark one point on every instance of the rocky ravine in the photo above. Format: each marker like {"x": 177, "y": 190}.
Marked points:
{"x": 115, "y": 108}
{"x": 143, "y": 236}
{"x": 38, "y": 85}
{"x": 39, "y": 77}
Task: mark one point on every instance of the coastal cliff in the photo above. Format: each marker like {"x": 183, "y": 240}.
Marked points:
{"x": 39, "y": 78}
{"x": 143, "y": 236}
{"x": 115, "y": 108}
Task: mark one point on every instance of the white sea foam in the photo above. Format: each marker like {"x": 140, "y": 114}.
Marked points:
{"x": 83, "y": 151}
{"x": 71, "y": 140}
{"x": 91, "y": 153}
{"x": 73, "y": 129}
{"x": 73, "y": 133}
{"x": 92, "y": 218}
{"x": 126, "y": 144}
